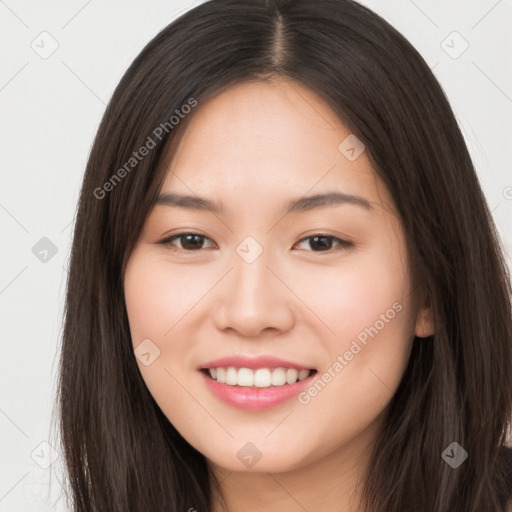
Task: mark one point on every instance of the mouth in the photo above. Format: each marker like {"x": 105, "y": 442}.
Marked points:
{"x": 257, "y": 378}
{"x": 253, "y": 387}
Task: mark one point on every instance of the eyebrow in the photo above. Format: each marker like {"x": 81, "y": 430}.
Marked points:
{"x": 297, "y": 205}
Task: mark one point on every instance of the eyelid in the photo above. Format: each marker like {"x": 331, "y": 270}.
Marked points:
{"x": 167, "y": 240}
{"x": 342, "y": 243}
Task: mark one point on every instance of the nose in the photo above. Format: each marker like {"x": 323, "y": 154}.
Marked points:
{"x": 253, "y": 299}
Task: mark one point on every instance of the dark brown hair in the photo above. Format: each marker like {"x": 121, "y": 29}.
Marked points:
{"x": 121, "y": 452}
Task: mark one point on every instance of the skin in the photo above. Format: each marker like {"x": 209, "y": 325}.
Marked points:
{"x": 254, "y": 148}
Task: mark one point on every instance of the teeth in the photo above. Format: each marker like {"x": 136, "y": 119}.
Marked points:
{"x": 231, "y": 376}
{"x": 245, "y": 377}
{"x": 303, "y": 374}
{"x": 291, "y": 376}
{"x": 278, "y": 377}
{"x": 221, "y": 374}
{"x": 260, "y": 378}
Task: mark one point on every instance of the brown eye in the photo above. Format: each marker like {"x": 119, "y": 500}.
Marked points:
{"x": 324, "y": 243}
{"x": 190, "y": 242}
{"x": 194, "y": 242}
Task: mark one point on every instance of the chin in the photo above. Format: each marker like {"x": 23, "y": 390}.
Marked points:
{"x": 268, "y": 463}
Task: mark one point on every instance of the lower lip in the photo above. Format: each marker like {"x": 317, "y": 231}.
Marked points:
{"x": 255, "y": 399}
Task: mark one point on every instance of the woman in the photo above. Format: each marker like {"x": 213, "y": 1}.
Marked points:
{"x": 286, "y": 290}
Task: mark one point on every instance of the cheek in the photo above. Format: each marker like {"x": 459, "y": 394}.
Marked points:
{"x": 365, "y": 289}
{"x": 158, "y": 300}
{"x": 158, "y": 297}
{"x": 365, "y": 307}
{"x": 368, "y": 306}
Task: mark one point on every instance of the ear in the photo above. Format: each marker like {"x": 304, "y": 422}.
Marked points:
{"x": 424, "y": 326}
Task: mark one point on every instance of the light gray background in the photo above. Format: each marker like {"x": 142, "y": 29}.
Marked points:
{"x": 51, "y": 109}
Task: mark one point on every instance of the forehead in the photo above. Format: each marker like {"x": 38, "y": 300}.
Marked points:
{"x": 265, "y": 139}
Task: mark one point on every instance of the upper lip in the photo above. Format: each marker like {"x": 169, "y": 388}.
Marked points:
{"x": 252, "y": 362}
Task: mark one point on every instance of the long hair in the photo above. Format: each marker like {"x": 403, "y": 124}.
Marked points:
{"x": 121, "y": 452}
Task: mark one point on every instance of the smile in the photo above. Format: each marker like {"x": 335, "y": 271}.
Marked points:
{"x": 260, "y": 378}
{"x": 255, "y": 384}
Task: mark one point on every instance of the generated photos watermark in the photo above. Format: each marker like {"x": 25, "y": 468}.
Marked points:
{"x": 152, "y": 141}
{"x": 342, "y": 360}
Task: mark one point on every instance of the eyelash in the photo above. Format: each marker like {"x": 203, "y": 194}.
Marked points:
{"x": 342, "y": 244}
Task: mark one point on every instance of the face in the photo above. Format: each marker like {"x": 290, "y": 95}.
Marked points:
{"x": 306, "y": 310}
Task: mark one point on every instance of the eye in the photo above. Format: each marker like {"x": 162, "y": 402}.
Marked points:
{"x": 320, "y": 242}
{"x": 189, "y": 241}
{"x": 193, "y": 242}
